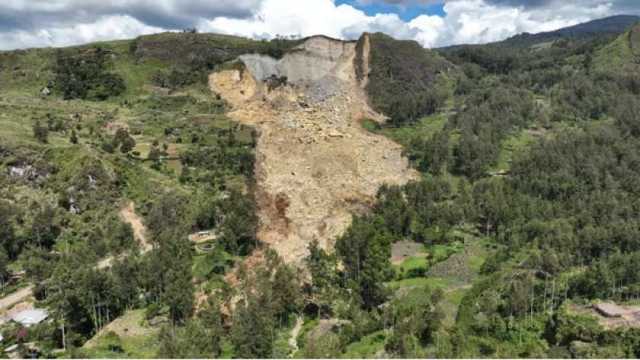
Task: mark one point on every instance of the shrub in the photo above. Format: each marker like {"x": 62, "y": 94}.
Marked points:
{"x": 83, "y": 75}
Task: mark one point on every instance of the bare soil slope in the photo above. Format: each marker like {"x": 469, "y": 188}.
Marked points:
{"x": 315, "y": 164}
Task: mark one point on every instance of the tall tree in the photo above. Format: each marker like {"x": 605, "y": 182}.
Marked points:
{"x": 365, "y": 250}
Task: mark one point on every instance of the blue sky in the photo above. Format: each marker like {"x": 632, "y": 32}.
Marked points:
{"x": 406, "y": 12}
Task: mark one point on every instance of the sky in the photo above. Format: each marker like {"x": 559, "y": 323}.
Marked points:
{"x": 433, "y": 23}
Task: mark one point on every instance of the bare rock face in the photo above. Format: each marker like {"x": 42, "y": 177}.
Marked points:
{"x": 315, "y": 164}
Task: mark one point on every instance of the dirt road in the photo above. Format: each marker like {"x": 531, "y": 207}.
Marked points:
{"x": 128, "y": 214}
{"x": 21, "y": 295}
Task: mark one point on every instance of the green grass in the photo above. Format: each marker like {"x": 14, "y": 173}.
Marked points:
{"x": 139, "y": 346}
{"x": 442, "y": 252}
{"x": 366, "y": 347}
{"x": 412, "y": 263}
{"x": 419, "y": 282}
{"x": 423, "y": 129}
{"x": 615, "y": 57}
{"x": 281, "y": 348}
{"x": 511, "y": 146}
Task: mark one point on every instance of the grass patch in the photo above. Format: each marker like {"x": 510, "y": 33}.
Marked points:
{"x": 367, "y": 347}
{"x": 420, "y": 282}
{"x": 423, "y": 129}
{"x": 125, "y": 337}
{"x": 412, "y": 264}
{"x": 511, "y": 146}
{"x": 307, "y": 327}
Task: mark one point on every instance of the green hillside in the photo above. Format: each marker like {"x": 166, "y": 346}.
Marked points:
{"x": 620, "y": 56}
{"x": 128, "y": 207}
{"x": 86, "y": 130}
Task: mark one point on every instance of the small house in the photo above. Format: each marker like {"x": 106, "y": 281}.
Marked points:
{"x": 30, "y": 317}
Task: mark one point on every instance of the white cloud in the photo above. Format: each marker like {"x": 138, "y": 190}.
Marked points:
{"x": 161, "y": 13}
{"x": 465, "y": 21}
{"x": 28, "y": 23}
{"x": 476, "y": 21}
{"x": 105, "y": 28}
{"x": 291, "y": 17}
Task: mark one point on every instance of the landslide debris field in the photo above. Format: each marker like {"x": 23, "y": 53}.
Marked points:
{"x": 315, "y": 164}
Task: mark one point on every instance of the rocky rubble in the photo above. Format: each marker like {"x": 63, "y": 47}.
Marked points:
{"x": 315, "y": 164}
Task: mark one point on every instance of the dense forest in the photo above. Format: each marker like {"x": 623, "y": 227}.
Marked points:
{"x": 525, "y": 215}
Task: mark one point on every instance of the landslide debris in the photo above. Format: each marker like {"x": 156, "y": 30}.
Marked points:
{"x": 315, "y": 165}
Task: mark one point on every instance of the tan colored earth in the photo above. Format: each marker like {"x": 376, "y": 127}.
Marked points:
{"x": 315, "y": 164}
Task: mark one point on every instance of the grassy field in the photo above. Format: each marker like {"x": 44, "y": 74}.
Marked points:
{"x": 422, "y": 129}
{"x": 126, "y": 337}
{"x": 367, "y": 347}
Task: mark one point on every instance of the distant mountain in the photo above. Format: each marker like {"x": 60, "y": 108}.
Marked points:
{"x": 613, "y": 25}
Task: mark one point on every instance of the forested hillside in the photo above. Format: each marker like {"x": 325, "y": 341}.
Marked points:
{"x": 128, "y": 204}
{"x": 535, "y": 160}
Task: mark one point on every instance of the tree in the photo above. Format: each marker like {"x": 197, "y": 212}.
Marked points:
{"x": 179, "y": 289}
{"x": 74, "y": 137}
{"x": 84, "y": 75}
{"x": 8, "y": 238}
{"x": 324, "y": 276}
{"x": 436, "y": 153}
{"x": 414, "y": 318}
{"x": 194, "y": 340}
{"x": 239, "y": 225}
{"x": 126, "y": 282}
{"x": 45, "y": 229}
{"x": 4, "y": 270}
{"x": 271, "y": 293}
{"x": 253, "y": 330}
{"x": 123, "y": 140}
{"x": 168, "y": 270}
{"x": 492, "y": 205}
{"x": 40, "y": 132}
{"x": 627, "y": 113}
{"x": 365, "y": 250}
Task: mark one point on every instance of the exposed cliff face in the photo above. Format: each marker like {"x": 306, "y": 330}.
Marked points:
{"x": 315, "y": 164}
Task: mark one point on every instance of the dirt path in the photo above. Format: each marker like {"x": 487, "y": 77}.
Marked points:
{"x": 315, "y": 165}
{"x": 10, "y": 300}
{"x": 128, "y": 214}
{"x": 293, "y": 339}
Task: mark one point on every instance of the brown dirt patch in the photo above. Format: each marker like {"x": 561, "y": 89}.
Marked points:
{"x": 311, "y": 147}
{"x": 128, "y": 214}
{"x": 628, "y": 316}
{"x": 402, "y": 250}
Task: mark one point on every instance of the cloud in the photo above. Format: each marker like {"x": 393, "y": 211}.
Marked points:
{"x": 400, "y": 2}
{"x": 33, "y": 14}
{"x": 28, "y": 23}
{"x": 465, "y": 21}
{"x": 291, "y": 17}
{"x": 480, "y": 21}
{"x": 105, "y": 28}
